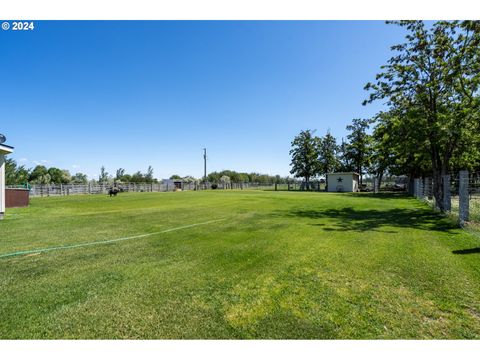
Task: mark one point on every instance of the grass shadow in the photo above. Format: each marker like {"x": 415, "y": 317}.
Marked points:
{"x": 350, "y": 219}
{"x": 467, "y": 251}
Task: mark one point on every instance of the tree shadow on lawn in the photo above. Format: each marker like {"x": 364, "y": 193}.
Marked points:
{"x": 467, "y": 251}
{"x": 350, "y": 219}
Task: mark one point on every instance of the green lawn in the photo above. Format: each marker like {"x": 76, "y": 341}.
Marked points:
{"x": 275, "y": 265}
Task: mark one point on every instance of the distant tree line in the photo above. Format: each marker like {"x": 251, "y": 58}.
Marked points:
{"x": 231, "y": 176}
{"x": 41, "y": 175}
{"x": 18, "y": 174}
{"x": 431, "y": 124}
{"x": 243, "y": 177}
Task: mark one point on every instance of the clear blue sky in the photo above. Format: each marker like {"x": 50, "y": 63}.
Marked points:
{"x": 78, "y": 95}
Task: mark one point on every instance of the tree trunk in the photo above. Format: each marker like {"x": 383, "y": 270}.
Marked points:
{"x": 439, "y": 169}
{"x": 379, "y": 180}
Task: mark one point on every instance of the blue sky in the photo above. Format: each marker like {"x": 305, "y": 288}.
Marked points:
{"x": 82, "y": 94}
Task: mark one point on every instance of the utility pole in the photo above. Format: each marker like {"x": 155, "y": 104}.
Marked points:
{"x": 205, "y": 166}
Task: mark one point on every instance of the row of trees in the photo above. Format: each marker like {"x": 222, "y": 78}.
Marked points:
{"x": 230, "y": 176}
{"x": 227, "y": 176}
{"x": 314, "y": 156}
{"x": 18, "y": 174}
{"x": 431, "y": 124}
{"x": 122, "y": 177}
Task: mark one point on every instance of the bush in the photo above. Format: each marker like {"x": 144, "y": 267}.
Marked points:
{"x": 214, "y": 186}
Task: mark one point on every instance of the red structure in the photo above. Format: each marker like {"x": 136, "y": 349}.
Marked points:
{"x": 16, "y": 198}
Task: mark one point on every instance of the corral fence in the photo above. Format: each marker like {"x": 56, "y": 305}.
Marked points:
{"x": 37, "y": 190}
{"x": 42, "y": 190}
{"x": 461, "y": 195}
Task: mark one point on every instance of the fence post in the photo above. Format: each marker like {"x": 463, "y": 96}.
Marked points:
{"x": 447, "y": 204}
{"x": 416, "y": 187}
{"x": 427, "y": 188}
{"x": 463, "y": 206}
{"x": 421, "y": 189}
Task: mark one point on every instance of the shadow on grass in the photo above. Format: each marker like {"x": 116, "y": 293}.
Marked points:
{"x": 467, "y": 251}
{"x": 350, "y": 219}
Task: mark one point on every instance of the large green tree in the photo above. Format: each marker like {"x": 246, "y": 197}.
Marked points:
{"x": 104, "y": 176}
{"x": 433, "y": 82}
{"x": 305, "y": 155}
{"x": 328, "y": 155}
{"x": 149, "y": 175}
{"x": 358, "y": 149}
{"x": 14, "y": 174}
{"x": 79, "y": 178}
{"x": 59, "y": 176}
{"x": 40, "y": 175}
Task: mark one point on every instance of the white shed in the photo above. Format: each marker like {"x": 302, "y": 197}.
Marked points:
{"x": 4, "y": 150}
{"x": 343, "y": 182}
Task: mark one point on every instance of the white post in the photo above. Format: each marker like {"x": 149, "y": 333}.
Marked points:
{"x": 2, "y": 186}
{"x": 416, "y": 188}
{"x": 421, "y": 189}
{"x": 463, "y": 197}
{"x": 447, "y": 204}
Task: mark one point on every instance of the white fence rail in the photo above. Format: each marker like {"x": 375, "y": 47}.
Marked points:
{"x": 84, "y": 189}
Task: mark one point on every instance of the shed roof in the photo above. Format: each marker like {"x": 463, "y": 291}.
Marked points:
{"x": 344, "y": 173}
{"x": 5, "y": 149}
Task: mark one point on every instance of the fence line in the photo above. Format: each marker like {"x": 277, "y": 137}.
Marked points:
{"x": 37, "y": 190}
{"x": 461, "y": 195}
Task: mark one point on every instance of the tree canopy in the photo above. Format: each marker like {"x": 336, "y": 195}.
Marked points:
{"x": 430, "y": 86}
{"x": 305, "y": 155}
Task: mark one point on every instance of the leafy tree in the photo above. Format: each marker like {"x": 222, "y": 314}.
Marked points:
{"x": 433, "y": 80}
{"x": 137, "y": 178}
{"x": 189, "y": 179}
{"x": 119, "y": 174}
{"x": 126, "y": 178}
{"x": 328, "y": 154}
{"x": 345, "y": 162}
{"x": 40, "y": 175}
{"x": 305, "y": 155}
{"x": 149, "y": 175}
{"x": 22, "y": 174}
{"x": 225, "y": 179}
{"x": 395, "y": 150}
{"x": 358, "y": 149}
{"x": 104, "y": 176}
{"x": 79, "y": 178}
{"x": 59, "y": 176}
{"x": 175, "y": 177}
{"x": 14, "y": 174}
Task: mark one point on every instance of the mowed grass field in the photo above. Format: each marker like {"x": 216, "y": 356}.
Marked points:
{"x": 274, "y": 265}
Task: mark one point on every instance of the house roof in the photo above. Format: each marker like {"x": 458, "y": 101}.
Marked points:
{"x": 5, "y": 149}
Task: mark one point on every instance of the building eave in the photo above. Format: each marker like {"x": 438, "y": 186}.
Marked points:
{"x": 5, "y": 149}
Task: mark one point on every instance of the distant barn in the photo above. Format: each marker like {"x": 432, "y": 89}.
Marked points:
{"x": 343, "y": 182}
